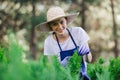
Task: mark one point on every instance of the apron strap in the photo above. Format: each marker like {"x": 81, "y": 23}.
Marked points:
{"x": 58, "y": 42}
{"x": 72, "y": 38}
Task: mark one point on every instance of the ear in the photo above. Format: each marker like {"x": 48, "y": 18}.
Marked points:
{"x": 66, "y": 20}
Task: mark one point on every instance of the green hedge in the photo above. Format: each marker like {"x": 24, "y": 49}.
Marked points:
{"x": 13, "y": 67}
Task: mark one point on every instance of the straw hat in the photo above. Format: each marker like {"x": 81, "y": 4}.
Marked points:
{"x": 52, "y": 14}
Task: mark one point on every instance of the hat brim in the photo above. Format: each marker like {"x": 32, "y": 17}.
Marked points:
{"x": 44, "y": 27}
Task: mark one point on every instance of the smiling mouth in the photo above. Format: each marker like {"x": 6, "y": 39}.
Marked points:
{"x": 60, "y": 31}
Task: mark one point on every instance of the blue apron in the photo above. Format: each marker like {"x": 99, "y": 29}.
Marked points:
{"x": 65, "y": 56}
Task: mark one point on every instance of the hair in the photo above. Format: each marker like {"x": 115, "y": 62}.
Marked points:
{"x": 66, "y": 19}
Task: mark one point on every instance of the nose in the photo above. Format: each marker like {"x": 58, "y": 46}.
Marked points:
{"x": 60, "y": 25}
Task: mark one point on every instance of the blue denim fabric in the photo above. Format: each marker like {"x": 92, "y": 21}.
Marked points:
{"x": 66, "y": 53}
{"x": 65, "y": 56}
{"x": 83, "y": 72}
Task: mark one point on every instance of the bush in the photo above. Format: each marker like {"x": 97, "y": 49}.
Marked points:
{"x": 41, "y": 69}
{"x": 75, "y": 65}
{"x": 96, "y": 68}
{"x": 114, "y": 68}
{"x": 12, "y": 67}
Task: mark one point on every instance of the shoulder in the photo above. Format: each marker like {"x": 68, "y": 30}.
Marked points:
{"x": 49, "y": 46}
{"x": 76, "y": 30}
{"x": 48, "y": 39}
{"x": 79, "y": 34}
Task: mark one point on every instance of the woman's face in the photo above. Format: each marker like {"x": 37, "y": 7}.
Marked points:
{"x": 59, "y": 26}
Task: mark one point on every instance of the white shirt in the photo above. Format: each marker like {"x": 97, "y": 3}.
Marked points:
{"x": 51, "y": 47}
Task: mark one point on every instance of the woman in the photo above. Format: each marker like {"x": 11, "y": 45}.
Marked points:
{"x": 65, "y": 40}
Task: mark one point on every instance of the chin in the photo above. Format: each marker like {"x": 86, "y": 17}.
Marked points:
{"x": 60, "y": 33}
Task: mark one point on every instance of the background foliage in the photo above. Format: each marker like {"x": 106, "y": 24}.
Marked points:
{"x": 21, "y": 17}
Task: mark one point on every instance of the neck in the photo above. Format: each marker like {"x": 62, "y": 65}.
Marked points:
{"x": 63, "y": 35}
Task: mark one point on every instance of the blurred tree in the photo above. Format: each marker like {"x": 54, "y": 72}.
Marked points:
{"x": 114, "y": 30}
{"x": 82, "y": 6}
{"x": 33, "y": 36}
{"x": 83, "y": 13}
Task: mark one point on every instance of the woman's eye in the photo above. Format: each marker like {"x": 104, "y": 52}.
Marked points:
{"x": 54, "y": 24}
{"x": 61, "y": 22}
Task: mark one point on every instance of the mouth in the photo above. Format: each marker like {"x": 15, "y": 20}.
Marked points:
{"x": 61, "y": 30}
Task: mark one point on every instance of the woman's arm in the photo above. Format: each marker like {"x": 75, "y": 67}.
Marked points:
{"x": 88, "y": 57}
